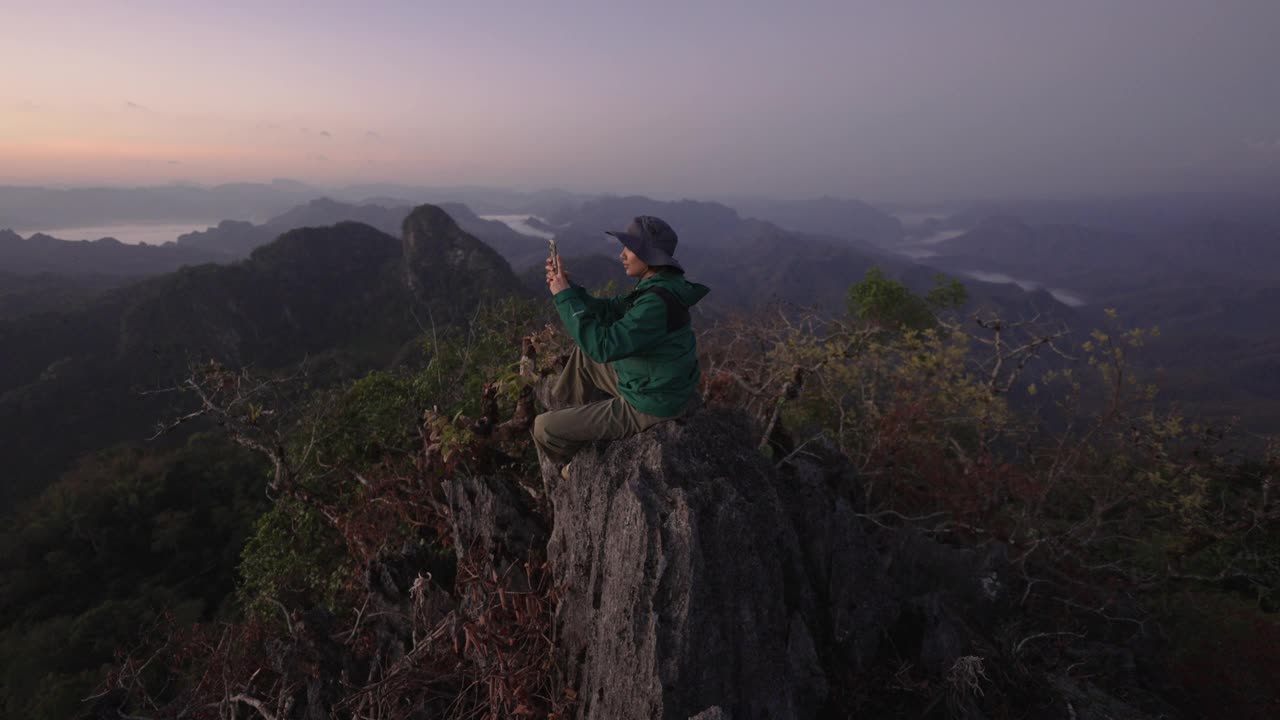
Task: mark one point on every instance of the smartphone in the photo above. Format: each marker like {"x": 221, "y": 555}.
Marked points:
{"x": 555, "y": 256}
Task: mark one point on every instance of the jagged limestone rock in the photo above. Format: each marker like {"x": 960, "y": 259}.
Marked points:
{"x": 697, "y": 580}
{"x": 683, "y": 584}
{"x": 495, "y": 524}
{"x": 493, "y": 517}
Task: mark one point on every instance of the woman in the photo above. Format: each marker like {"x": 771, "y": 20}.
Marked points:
{"x": 638, "y": 348}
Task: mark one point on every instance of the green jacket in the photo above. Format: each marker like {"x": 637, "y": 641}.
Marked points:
{"x": 657, "y": 370}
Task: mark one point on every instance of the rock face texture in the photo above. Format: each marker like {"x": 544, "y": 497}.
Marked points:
{"x": 697, "y": 580}
{"x": 686, "y": 584}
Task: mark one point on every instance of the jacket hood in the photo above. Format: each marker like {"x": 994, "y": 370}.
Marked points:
{"x": 688, "y": 293}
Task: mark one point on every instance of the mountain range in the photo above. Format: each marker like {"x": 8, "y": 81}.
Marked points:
{"x": 351, "y": 283}
{"x": 42, "y": 207}
{"x": 1211, "y": 286}
{"x": 42, "y": 253}
{"x": 347, "y": 296}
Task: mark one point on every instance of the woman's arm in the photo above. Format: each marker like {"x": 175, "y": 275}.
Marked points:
{"x": 640, "y": 327}
{"x": 606, "y": 309}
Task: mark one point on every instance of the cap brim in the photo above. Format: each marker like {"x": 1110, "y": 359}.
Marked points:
{"x": 633, "y": 243}
{"x": 650, "y": 256}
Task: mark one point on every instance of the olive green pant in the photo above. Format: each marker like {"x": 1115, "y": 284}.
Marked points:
{"x": 560, "y": 433}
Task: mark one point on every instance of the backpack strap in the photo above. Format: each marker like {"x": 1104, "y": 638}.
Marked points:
{"x": 677, "y": 313}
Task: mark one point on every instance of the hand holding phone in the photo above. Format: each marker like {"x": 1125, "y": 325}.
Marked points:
{"x": 557, "y": 279}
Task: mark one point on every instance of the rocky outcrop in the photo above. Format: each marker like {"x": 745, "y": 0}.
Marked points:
{"x": 690, "y": 578}
{"x": 698, "y": 580}
{"x": 447, "y": 268}
{"x": 684, "y": 585}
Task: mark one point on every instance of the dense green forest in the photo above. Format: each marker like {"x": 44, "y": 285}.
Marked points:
{"x": 123, "y": 541}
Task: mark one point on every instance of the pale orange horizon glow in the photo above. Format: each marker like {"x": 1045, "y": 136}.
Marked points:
{"x": 864, "y": 99}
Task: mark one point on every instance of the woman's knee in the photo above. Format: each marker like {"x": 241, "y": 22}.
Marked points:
{"x": 540, "y": 425}
{"x": 555, "y": 426}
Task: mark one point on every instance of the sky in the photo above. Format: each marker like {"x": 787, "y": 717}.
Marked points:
{"x": 906, "y": 101}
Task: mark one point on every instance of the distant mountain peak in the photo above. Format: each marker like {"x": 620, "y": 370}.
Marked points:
{"x": 431, "y": 219}
{"x": 441, "y": 256}
{"x": 325, "y": 202}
